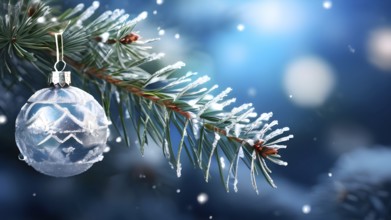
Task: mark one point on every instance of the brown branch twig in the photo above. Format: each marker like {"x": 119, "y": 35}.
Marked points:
{"x": 128, "y": 39}
{"x": 264, "y": 151}
{"x": 99, "y": 73}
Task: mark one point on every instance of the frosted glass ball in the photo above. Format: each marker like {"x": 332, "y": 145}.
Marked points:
{"x": 61, "y": 132}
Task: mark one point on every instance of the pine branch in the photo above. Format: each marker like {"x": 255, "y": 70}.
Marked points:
{"x": 108, "y": 55}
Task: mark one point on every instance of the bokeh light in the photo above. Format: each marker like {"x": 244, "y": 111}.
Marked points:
{"x": 202, "y": 198}
{"x": 240, "y": 27}
{"x": 3, "y": 119}
{"x": 379, "y": 48}
{"x": 252, "y": 91}
{"x": 306, "y": 209}
{"x": 327, "y": 4}
{"x": 309, "y": 81}
{"x": 273, "y": 16}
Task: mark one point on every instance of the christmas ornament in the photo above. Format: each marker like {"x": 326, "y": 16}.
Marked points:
{"x": 61, "y": 131}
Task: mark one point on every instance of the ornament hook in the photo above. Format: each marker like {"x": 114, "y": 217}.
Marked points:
{"x": 59, "y": 51}
{"x": 60, "y": 77}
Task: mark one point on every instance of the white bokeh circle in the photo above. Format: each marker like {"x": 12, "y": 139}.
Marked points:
{"x": 379, "y": 48}
{"x": 309, "y": 81}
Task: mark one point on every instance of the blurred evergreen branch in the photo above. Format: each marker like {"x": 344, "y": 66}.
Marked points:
{"x": 108, "y": 56}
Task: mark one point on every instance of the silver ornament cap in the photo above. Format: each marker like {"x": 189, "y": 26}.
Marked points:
{"x": 60, "y": 78}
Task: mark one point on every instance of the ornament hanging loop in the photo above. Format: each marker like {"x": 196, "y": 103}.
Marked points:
{"x": 60, "y": 77}
{"x": 59, "y": 52}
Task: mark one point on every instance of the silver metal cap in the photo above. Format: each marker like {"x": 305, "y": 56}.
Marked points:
{"x": 61, "y": 78}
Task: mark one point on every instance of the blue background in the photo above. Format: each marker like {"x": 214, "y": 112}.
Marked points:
{"x": 352, "y": 124}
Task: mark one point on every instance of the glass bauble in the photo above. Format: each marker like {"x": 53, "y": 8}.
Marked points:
{"x": 61, "y": 132}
